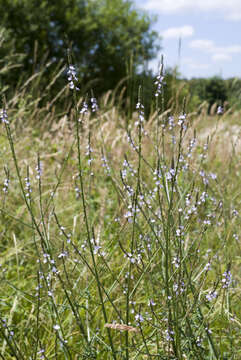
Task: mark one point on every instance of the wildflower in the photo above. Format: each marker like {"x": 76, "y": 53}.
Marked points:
{"x": 151, "y": 303}
{"x": 27, "y": 186}
{"x": 159, "y": 83}
{"x": 105, "y": 165}
{"x": 63, "y": 254}
{"x": 234, "y": 212}
{"x": 213, "y": 176}
{"x": 199, "y": 341}
{"x": 41, "y": 353}
{"x": 131, "y": 258}
{"x": 139, "y": 318}
{"x": 128, "y": 215}
{"x": 94, "y": 105}
{"x": 77, "y": 192}
{"x": 171, "y": 122}
{"x": 84, "y": 110}
{"x": 56, "y": 327}
{"x": 176, "y": 262}
{"x": 72, "y": 78}
{"x": 174, "y": 141}
{"x": 208, "y": 330}
{"x": 62, "y": 229}
{"x": 182, "y": 119}
{"x": 220, "y": 110}
{"x": 39, "y": 169}
{"x": 169, "y": 335}
{"x": 191, "y": 146}
{"x": 211, "y": 295}
{"x": 227, "y": 279}
{"x": 170, "y": 174}
{"x": 178, "y": 288}
{"x": 207, "y": 267}
{"x": 140, "y": 109}
{"x": 89, "y": 150}
{"x": 4, "y": 116}
{"x": 96, "y": 249}
{"x": 6, "y": 186}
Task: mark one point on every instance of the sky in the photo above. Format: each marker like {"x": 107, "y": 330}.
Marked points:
{"x": 210, "y": 32}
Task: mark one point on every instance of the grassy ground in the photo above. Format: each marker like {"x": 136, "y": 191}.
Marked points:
{"x": 119, "y": 240}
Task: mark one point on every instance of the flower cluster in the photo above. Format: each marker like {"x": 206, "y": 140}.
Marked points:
{"x": 211, "y": 295}
{"x": 4, "y": 116}
{"x": 72, "y": 78}
{"x": 27, "y": 187}
{"x": 220, "y": 110}
{"x": 227, "y": 279}
{"x": 159, "y": 84}
{"x": 39, "y": 169}
{"x": 84, "y": 109}
{"x": 94, "y": 105}
{"x": 6, "y": 186}
{"x": 141, "y": 118}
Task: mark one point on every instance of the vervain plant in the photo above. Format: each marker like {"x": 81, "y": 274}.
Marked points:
{"x": 127, "y": 250}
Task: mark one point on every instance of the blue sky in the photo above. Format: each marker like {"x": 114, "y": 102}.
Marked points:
{"x": 210, "y": 31}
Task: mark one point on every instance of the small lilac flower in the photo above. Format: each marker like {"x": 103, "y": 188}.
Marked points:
{"x": 27, "y": 187}
{"x": 207, "y": 267}
{"x": 234, "y": 212}
{"x": 94, "y": 105}
{"x": 211, "y": 295}
{"x": 72, "y": 78}
{"x": 181, "y": 119}
{"x": 139, "y": 318}
{"x": 4, "y": 116}
{"x": 169, "y": 335}
{"x": 176, "y": 262}
{"x": 151, "y": 303}
{"x": 6, "y": 186}
{"x": 77, "y": 192}
{"x": 171, "y": 122}
{"x": 159, "y": 83}
{"x": 227, "y": 279}
{"x": 140, "y": 109}
{"x": 105, "y": 164}
{"x": 84, "y": 109}
{"x": 39, "y": 169}
{"x": 220, "y": 110}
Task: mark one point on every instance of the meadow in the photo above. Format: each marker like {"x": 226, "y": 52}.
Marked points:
{"x": 120, "y": 235}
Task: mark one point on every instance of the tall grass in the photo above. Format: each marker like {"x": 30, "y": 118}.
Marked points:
{"x": 119, "y": 239}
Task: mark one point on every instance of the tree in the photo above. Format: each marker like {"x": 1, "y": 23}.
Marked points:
{"x": 103, "y": 34}
{"x": 216, "y": 91}
{"x": 213, "y": 90}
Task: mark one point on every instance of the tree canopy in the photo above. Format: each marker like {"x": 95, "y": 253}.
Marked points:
{"x": 104, "y": 34}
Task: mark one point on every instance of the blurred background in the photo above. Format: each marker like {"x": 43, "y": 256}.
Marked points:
{"x": 118, "y": 45}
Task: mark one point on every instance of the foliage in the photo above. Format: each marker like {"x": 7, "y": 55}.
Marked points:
{"x": 234, "y": 92}
{"x": 104, "y": 34}
{"x": 212, "y": 90}
{"x": 216, "y": 91}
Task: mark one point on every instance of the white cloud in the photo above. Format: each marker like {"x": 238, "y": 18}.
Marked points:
{"x": 206, "y": 45}
{"x": 233, "y": 49}
{"x": 231, "y": 9}
{"x": 194, "y": 65}
{"x": 221, "y": 57}
{"x": 177, "y": 32}
{"x": 219, "y": 53}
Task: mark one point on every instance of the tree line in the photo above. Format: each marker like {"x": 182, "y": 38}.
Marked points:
{"x": 111, "y": 42}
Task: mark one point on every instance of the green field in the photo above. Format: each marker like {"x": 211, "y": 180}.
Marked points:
{"x": 120, "y": 236}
